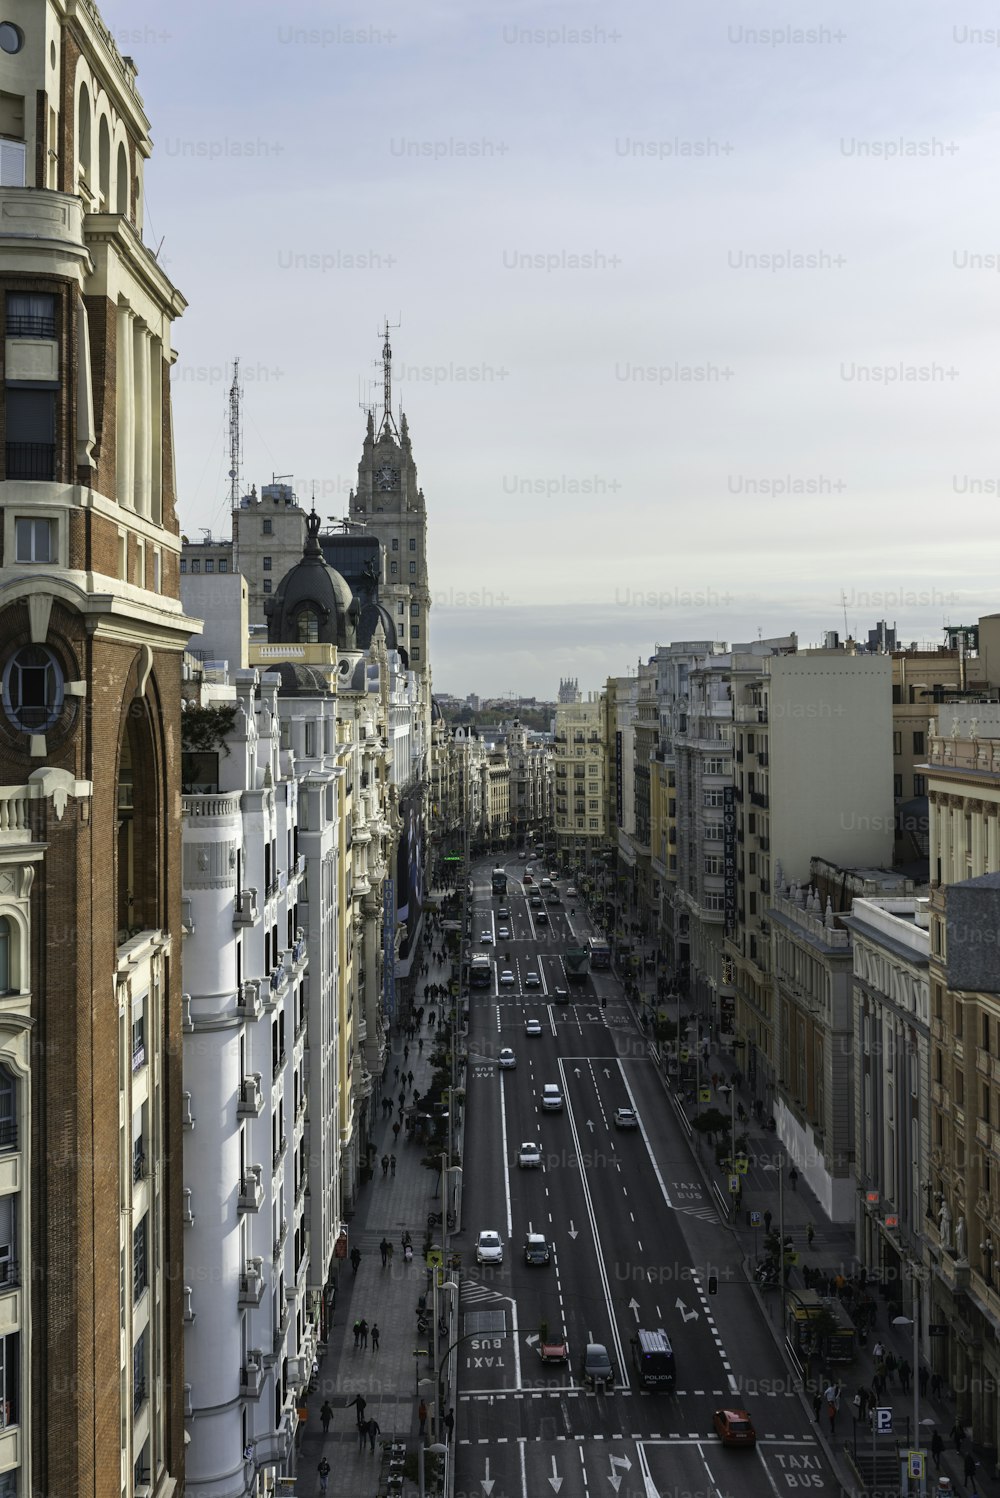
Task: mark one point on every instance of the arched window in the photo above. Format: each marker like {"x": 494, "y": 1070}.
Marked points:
{"x": 8, "y": 1109}
{"x": 6, "y": 956}
{"x": 308, "y": 627}
{"x": 83, "y": 133}
{"x": 121, "y": 183}
{"x": 104, "y": 163}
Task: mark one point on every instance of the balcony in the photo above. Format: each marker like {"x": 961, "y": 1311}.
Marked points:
{"x": 248, "y": 1000}
{"x": 278, "y": 978}
{"x": 251, "y": 1197}
{"x": 252, "y": 1283}
{"x": 31, "y": 325}
{"x": 764, "y": 844}
{"x": 279, "y": 1152}
{"x": 139, "y": 1166}
{"x": 31, "y": 460}
{"x": 251, "y": 1102}
{"x": 138, "y": 1054}
{"x": 252, "y": 1375}
{"x": 245, "y": 909}
{"x": 760, "y": 798}
{"x": 763, "y": 758}
{"x": 765, "y": 886}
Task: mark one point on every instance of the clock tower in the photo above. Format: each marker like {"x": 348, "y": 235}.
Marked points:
{"x": 390, "y": 503}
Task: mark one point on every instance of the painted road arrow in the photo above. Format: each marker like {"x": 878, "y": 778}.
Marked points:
{"x": 487, "y": 1481}
{"x": 555, "y": 1481}
{"x": 633, "y": 1306}
{"x": 572, "y": 1230}
{"x": 687, "y": 1315}
{"x": 615, "y": 1477}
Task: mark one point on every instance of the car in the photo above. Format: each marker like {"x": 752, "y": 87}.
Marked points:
{"x": 554, "y": 897}
{"x": 532, "y": 980}
{"x": 489, "y": 1247}
{"x": 536, "y": 1250}
{"x": 522, "y": 852}
{"x": 506, "y": 977}
{"x": 561, "y": 995}
{"x": 552, "y": 1099}
{"x": 596, "y": 1368}
{"x": 541, "y": 916}
{"x": 530, "y": 869}
{"x": 528, "y": 879}
{"x": 571, "y": 890}
{"x": 552, "y": 1348}
{"x": 486, "y": 936}
{"x": 529, "y": 1156}
{"x": 504, "y": 932}
{"x": 626, "y": 1118}
{"x": 532, "y": 1027}
{"x": 507, "y": 1060}
{"x": 734, "y": 1428}
{"x": 504, "y": 912}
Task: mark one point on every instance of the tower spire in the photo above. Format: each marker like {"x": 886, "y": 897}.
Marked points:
{"x": 388, "y": 425}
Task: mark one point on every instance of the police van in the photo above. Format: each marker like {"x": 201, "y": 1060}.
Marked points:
{"x": 653, "y": 1357}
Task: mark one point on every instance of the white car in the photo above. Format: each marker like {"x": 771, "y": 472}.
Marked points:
{"x": 506, "y": 977}
{"x": 529, "y": 1156}
{"x": 489, "y": 1247}
{"x": 552, "y": 1100}
{"x": 625, "y": 1118}
{"x": 504, "y": 933}
{"x": 532, "y": 1027}
{"x": 507, "y": 1060}
{"x": 571, "y": 890}
{"x": 532, "y": 980}
{"x": 486, "y": 936}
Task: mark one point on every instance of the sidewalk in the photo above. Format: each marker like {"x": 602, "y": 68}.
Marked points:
{"x": 832, "y": 1252}
{"x": 386, "y": 1296}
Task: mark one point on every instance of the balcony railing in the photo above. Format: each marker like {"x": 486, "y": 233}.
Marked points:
{"x": 8, "y": 1135}
{"x": 760, "y": 798}
{"x": 31, "y": 325}
{"x": 138, "y": 1055}
{"x": 139, "y": 1393}
{"x": 139, "y": 1166}
{"x": 10, "y": 1274}
{"x": 31, "y": 460}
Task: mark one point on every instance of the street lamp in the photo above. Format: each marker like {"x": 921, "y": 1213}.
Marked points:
{"x": 436, "y": 1450}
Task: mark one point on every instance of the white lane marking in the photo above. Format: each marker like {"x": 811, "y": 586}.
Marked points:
{"x": 506, "y": 1164}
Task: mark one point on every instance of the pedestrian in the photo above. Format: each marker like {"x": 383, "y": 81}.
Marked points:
{"x": 935, "y": 1385}
{"x": 969, "y": 1470}
{"x": 395, "y": 1072}
{"x": 375, "y": 1336}
{"x": 957, "y": 1434}
{"x": 793, "y": 1177}
{"x": 937, "y": 1446}
{"x": 878, "y": 1352}
{"x": 362, "y": 1434}
{"x": 817, "y": 1404}
{"x": 395, "y": 1131}
{"x": 409, "y": 1078}
{"x": 360, "y": 1401}
{"x": 357, "y": 1334}
{"x": 767, "y": 1222}
{"x": 420, "y": 1045}
{"x": 402, "y": 1095}
{"x": 922, "y": 1378}
{"x": 385, "y": 1166}
{"x": 324, "y": 1473}
{"x": 810, "y": 1234}
{"x": 326, "y": 1415}
{"x": 392, "y": 1165}
{"x": 422, "y": 1416}
{"x": 355, "y": 1258}
{"x": 406, "y": 1053}
{"x": 905, "y": 1373}
{"x": 861, "y": 1403}
{"x": 373, "y": 1430}
{"x": 383, "y": 1249}
{"x": 878, "y": 1385}
{"x": 449, "y": 1423}
{"x": 430, "y": 1019}
{"x": 364, "y": 1332}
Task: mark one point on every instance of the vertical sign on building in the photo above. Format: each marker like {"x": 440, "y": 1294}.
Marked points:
{"x": 618, "y": 776}
{"x": 388, "y": 947}
{"x": 729, "y": 855}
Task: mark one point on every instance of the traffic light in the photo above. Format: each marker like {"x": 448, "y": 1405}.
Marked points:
{"x": 713, "y": 1284}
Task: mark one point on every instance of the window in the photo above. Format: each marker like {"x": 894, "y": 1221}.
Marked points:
{"x": 267, "y": 528}
{"x": 140, "y": 1257}
{"x": 195, "y": 565}
{"x": 897, "y": 743}
{"x": 918, "y": 743}
{"x": 414, "y": 631}
{"x": 33, "y": 689}
{"x": 31, "y": 314}
{"x": 223, "y": 564}
{"x": 139, "y": 1371}
{"x": 8, "y": 1109}
{"x": 307, "y": 627}
{"x": 413, "y": 568}
{"x": 267, "y": 564}
{"x": 395, "y": 543}
{"x": 401, "y": 607}
{"x": 184, "y": 565}
{"x": 897, "y": 785}
{"x": 413, "y": 543}
{"x": 393, "y": 568}
{"x": 33, "y": 540}
{"x": 415, "y": 655}
{"x": 267, "y": 585}
{"x": 138, "y": 1034}
{"x": 6, "y": 970}
{"x": 209, "y": 564}
{"x": 10, "y": 1367}
{"x": 920, "y": 785}
{"x": 414, "y": 611}
{"x": 31, "y": 433}
{"x": 158, "y": 569}
{"x": 13, "y": 160}
{"x": 593, "y": 824}
{"x": 11, "y": 37}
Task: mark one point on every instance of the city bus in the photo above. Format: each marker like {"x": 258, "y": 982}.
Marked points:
{"x": 480, "y": 970}
{"x": 499, "y": 881}
{"x": 600, "y": 952}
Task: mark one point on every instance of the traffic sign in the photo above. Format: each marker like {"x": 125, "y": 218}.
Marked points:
{"x": 705, "y": 1095}
{"x": 892, "y": 1220}
{"x": 883, "y": 1420}
{"x": 742, "y": 1164}
{"x": 915, "y": 1463}
{"x": 756, "y": 1220}
{"x": 734, "y": 1185}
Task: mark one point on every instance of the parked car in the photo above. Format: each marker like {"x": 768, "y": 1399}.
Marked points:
{"x": 489, "y": 1247}
{"x": 536, "y": 1250}
{"x": 734, "y": 1428}
{"x": 596, "y": 1368}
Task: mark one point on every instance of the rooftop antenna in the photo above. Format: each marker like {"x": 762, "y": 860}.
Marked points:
{"x": 235, "y": 439}
{"x": 387, "y": 426}
{"x": 366, "y": 403}
{"x": 843, "y": 599}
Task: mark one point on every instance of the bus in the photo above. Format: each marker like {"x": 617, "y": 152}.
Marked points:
{"x": 480, "y": 970}
{"x": 499, "y": 881}
{"x": 600, "y": 952}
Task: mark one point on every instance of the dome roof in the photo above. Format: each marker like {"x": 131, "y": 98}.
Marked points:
{"x": 313, "y": 605}
{"x": 370, "y": 615}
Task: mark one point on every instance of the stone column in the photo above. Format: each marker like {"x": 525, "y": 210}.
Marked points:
{"x": 124, "y": 409}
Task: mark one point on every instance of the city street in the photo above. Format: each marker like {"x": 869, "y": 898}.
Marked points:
{"x": 634, "y": 1240}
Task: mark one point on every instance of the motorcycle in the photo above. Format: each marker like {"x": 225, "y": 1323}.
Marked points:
{"x": 434, "y": 1219}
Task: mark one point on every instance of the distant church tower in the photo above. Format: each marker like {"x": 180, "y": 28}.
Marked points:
{"x": 569, "y": 690}
{"x": 391, "y": 504}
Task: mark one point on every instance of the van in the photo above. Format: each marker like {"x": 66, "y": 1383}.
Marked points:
{"x": 653, "y": 1357}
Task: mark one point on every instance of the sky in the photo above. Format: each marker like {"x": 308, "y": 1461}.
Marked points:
{"x": 694, "y": 306}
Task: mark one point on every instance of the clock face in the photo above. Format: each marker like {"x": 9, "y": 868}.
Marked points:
{"x": 386, "y": 477}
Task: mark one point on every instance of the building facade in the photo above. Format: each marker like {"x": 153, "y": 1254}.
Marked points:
{"x": 580, "y": 767}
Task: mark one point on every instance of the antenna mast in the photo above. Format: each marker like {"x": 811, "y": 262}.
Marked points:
{"x": 235, "y": 438}
{"x": 387, "y": 424}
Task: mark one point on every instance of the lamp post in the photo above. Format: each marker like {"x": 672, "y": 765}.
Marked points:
{"x": 436, "y": 1450}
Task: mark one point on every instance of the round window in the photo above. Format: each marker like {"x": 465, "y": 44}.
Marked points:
{"x": 33, "y": 689}
{"x": 11, "y": 37}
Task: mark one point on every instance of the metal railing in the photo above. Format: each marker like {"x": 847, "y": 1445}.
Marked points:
{"x": 31, "y": 460}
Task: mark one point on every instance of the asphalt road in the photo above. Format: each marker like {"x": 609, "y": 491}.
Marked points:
{"x": 634, "y": 1239}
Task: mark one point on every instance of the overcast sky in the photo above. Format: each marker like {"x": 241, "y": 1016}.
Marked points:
{"x": 633, "y": 419}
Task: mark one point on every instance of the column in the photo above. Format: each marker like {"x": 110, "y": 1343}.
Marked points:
{"x": 124, "y": 409}
{"x": 141, "y": 427}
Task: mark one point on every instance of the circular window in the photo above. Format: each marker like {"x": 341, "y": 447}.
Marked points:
{"x": 33, "y": 689}
{"x": 11, "y": 37}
